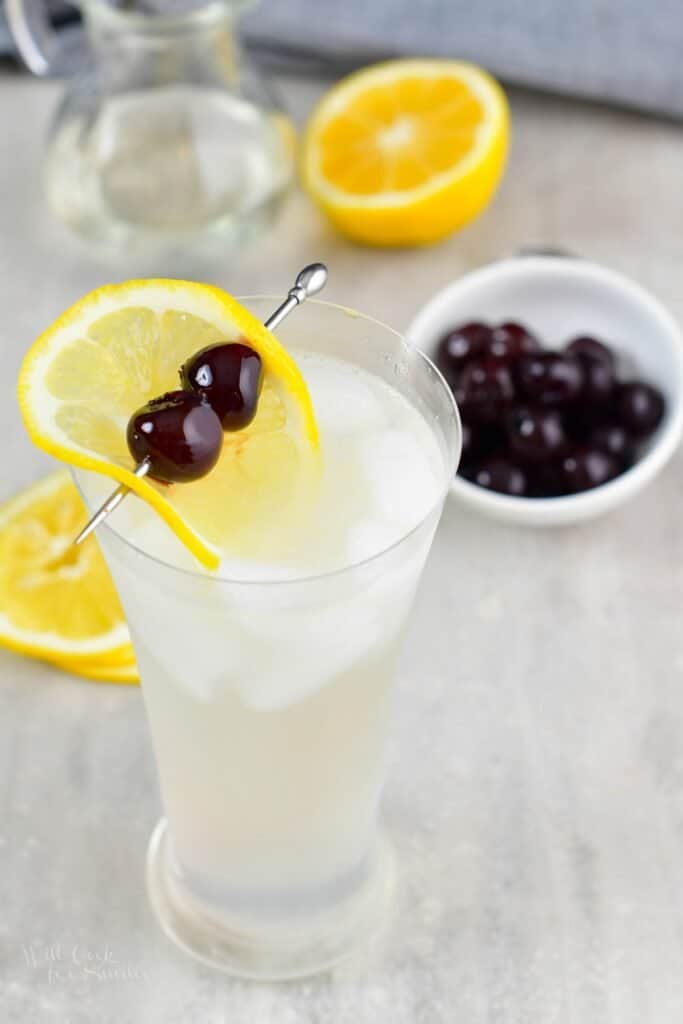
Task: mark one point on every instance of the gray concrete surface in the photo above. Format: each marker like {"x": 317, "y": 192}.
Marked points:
{"x": 536, "y": 786}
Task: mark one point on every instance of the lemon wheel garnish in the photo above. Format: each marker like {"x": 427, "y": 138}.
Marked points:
{"x": 57, "y": 602}
{"x": 122, "y": 345}
{"x": 407, "y": 151}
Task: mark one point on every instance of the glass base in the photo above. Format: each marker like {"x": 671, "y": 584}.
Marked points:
{"x": 292, "y": 946}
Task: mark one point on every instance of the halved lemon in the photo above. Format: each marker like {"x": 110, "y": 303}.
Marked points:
{"x": 57, "y": 602}
{"x": 122, "y": 345}
{"x": 407, "y": 151}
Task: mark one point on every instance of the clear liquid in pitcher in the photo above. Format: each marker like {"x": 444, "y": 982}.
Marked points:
{"x": 162, "y": 163}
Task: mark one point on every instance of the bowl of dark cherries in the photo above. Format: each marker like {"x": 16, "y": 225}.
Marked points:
{"x": 569, "y": 382}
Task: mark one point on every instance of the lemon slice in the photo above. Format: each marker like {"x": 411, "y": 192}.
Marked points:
{"x": 121, "y": 667}
{"x": 122, "y": 345}
{"x": 126, "y": 674}
{"x": 122, "y": 659}
{"x": 407, "y": 151}
{"x": 57, "y": 601}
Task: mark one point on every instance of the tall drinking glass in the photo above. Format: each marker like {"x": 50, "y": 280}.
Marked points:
{"x": 268, "y": 705}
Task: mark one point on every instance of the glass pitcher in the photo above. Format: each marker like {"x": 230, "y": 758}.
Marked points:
{"x": 165, "y": 136}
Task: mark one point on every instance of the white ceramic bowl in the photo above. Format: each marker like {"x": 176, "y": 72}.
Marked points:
{"x": 560, "y": 298}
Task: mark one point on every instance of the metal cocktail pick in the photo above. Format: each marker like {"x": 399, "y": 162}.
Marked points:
{"x": 309, "y": 281}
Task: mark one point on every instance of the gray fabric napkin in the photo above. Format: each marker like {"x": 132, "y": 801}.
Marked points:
{"x": 623, "y": 51}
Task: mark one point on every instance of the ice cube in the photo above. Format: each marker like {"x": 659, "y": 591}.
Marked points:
{"x": 183, "y": 627}
{"x": 300, "y": 652}
{"x": 344, "y": 402}
{"x": 302, "y": 637}
{"x": 403, "y": 485}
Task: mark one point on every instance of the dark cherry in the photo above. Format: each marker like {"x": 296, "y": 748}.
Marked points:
{"x": 511, "y": 340}
{"x": 179, "y": 433}
{"x": 549, "y": 378}
{"x": 587, "y": 348}
{"x": 598, "y": 381}
{"x": 491, "y": 439}
{"x": 500, "y": 475}
{"x": 584, "y": 468}
{"x": 615, "y": 441}
{"x": 484, "y": 390}
{"x": 598, "y": 368}
{"x": 482, "y": 440}
{"x": 536, "y": 435}
{"x": 545, "y": 480}
{"x": 583, "y": 417}
{"x": 640, "y": 408}
{"x": 460, "y": 345}
{"x": 467, "y": 469}
{"x": 579, "y": 422}
{"x": 228, "y": 376}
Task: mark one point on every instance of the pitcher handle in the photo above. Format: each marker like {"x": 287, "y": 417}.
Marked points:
{"x": 40, "y": 43}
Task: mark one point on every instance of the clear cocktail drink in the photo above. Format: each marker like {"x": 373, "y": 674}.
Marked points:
{"x": 267, "y": 684}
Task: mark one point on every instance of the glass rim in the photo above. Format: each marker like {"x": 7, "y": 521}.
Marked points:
{"x": 449, "y": 472}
